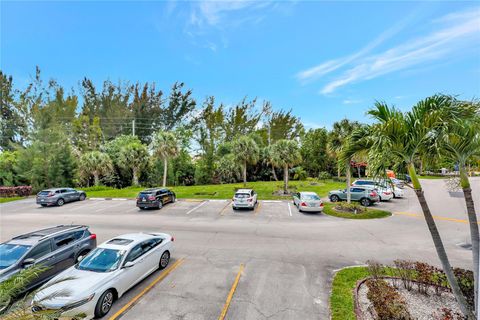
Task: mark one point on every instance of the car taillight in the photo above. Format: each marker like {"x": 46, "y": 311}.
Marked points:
{"x": 93, "y": 236}
{"x": 151, "y": 198}
{"x": 303, "y": 204}
{"x": 250, "y": 199}
{"x": 321, "y": 204}
{"x": 173, "y": 239}
{"x": 386, "y": 192}
{"x": 373, "y": 194}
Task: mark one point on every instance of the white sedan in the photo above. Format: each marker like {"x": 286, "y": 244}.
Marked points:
{"x": 105, "y": 274}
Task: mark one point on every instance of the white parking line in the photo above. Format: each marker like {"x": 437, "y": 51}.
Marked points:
{"x": 289, "y": 209}
{"x": 271, "y": 201}
{"x": 201, "y": 204}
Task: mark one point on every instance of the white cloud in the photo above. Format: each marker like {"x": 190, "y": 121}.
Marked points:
{"x": 351, "y": 101}
{"x": 439, "y": 44}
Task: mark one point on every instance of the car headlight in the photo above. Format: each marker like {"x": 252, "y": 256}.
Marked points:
{"x": 78, "y": 303}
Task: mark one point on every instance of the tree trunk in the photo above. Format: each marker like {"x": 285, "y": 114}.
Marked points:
{"x": 96, "y": 178}
{"x": 135, "y": 176}
{"x": 347, "y": 173}
{"x": 274, "y": 173}
{"x": 245, "y": 173}
{"x": 285, "y": 180}
{"x": 165, "y": 164}
{"x": 359, "y": 172}
{"x": 474, "y": 233}
{"x": 438, "y": 243}
{"x": 338, "y": 170}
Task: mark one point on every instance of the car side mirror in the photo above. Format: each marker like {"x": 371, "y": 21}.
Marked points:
{"x": 129, "y": 264}
{"x": 28, "y": 262}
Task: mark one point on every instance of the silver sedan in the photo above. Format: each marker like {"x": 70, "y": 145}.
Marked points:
{"x": 307, "y": 201}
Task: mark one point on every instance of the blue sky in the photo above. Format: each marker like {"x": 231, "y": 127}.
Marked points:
{"x": 324, "y": 60}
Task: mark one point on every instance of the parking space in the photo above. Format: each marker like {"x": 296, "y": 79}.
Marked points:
{"x": 287, "y": 256}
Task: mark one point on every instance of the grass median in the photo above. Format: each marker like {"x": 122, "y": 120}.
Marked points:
{"x": 341, "y": 297}
{"x": 369, "y": 214}
{"x": 265, "y": 190}
{"x": 4, "y": 200}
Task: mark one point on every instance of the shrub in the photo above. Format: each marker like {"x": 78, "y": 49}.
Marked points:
{"x": 20, "y": 191}
{"x": 375, "y": 269}
{"x": 350, "y": 207}
{"x": 447, "y": 314}
{"x": 324, "y": 175}
{"x": 387, "y": 302}
{"x": 466, "y": 283}
{"x": 405, "y": 271}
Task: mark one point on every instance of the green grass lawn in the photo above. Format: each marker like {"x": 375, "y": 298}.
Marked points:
{"x": 341, "y": 298}
{"x": 3, "y": 200}
{"x": 220, "y": 191}
{"x": 370, "y": 214}
{"x": 432, "y": 177}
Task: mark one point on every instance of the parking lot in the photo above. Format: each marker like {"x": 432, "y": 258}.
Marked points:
{"x": 273, "y": 262}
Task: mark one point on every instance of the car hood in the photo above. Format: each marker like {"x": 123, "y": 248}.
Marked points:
{"x": 77, "y": 285}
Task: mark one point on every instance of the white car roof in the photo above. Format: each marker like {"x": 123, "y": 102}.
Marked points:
{"x": 244, "y": 191}
{"x": 131, "y": 240}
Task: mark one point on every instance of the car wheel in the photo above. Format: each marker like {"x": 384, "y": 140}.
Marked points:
{"x": 104, "y": 304}
{"x": 82, "y": 197}
{"x": 234, "y": 208}
{"x": 43, "y": 205}
{"x": 60, "y": 202}
{"x": 160, "y": 205}
{"x": 173, "y": 199}
{"x": 334, "y": 198}
{"x": 365, "y": 202}
{"x": 164, "y": 260}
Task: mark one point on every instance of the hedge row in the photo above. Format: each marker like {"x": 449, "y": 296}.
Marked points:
{"x": 20, "y": 191}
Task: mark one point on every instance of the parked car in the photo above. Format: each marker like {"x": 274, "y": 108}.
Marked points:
{"x": 307, "y": 201}
{"x": 56, "y": 248}
{"x": 155, "y": 198}
{"x": 59, "y": 196}
{"x": 365, "y": 195}
{"x": 244, "y": 198}
{"x": 397, "y": 183}
{"x": 105, "y": 274}
{"x": 384, "y": 188}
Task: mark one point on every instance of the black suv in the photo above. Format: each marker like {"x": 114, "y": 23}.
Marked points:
{"x": 155, "y": 198}
{"x": 56, "y": 248}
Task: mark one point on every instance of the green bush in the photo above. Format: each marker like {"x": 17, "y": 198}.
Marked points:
{"x": 353, "y": 207}
{"x": 324, "y": 176}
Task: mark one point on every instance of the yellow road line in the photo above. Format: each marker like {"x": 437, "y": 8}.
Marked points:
{"x": 225, "y": 207}
{"x": 131, "y": 303}
{"x": 435, "y": 217}
{"x": 258, "y": 207}
{"x": 230, "y": 294}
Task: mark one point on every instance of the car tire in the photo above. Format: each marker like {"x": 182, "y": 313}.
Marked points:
{"x": 234, "y": 208}
{"x": 60, "y": 202}
{"x": 334, "y": 198}
{"x": 164, "y": 260}
{"x": 82, "y": 197}
{"x": 173, "y": 199}
{"x": 160, "y": 205}
{"x": 104, "y": 304}
{"x": 365, "y": 202}
{"x": 43, "y": 205}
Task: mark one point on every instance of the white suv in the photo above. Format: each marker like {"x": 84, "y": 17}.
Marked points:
{"x": 244, "y": 198}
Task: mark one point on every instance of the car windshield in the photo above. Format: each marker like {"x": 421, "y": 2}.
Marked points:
{"x": 101, "y": 260}
{"x": 10, "y": 253}
{"x": 310, "y": 197}
{"x": 145, "y": 194}
{"x": 43, "y": 193}
{"x": 242, "y": 195}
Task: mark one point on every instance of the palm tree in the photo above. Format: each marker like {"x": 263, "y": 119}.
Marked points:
{"x": 286, "y": 154}
{"x": 267, "y": 158}
{"x": 336, "y": 142}
{"x": 408, "y": 136}
{"x": 246, "y": 151}
{"x": 461, "y": 143}
{"x": 133, "y": 156}
{"x": 95, "y": 163}
{"x": 165, "y": 145}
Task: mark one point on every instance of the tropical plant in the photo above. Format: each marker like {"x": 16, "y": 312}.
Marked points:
{"x": 286, "y": 154}
{"x": 461, "y": 143}
{"x": 245, "y": 151}
{"x": 133, "y": 156}
{"x": 96, "y": 164}
{"x": 227, "y": 169}
{"x": 164, "y": 145}
{"x": 405, "y": 136}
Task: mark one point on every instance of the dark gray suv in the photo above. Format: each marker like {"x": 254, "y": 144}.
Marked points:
{"x": 56, "y": 248}
{"x": 59, "y": 196}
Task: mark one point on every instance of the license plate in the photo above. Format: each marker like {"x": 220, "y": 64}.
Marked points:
{"x": 42, "y": 200}
{"x": 143, "y": 199}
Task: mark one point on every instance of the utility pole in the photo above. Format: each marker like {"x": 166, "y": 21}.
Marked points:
{"x": 133, "y": 127}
